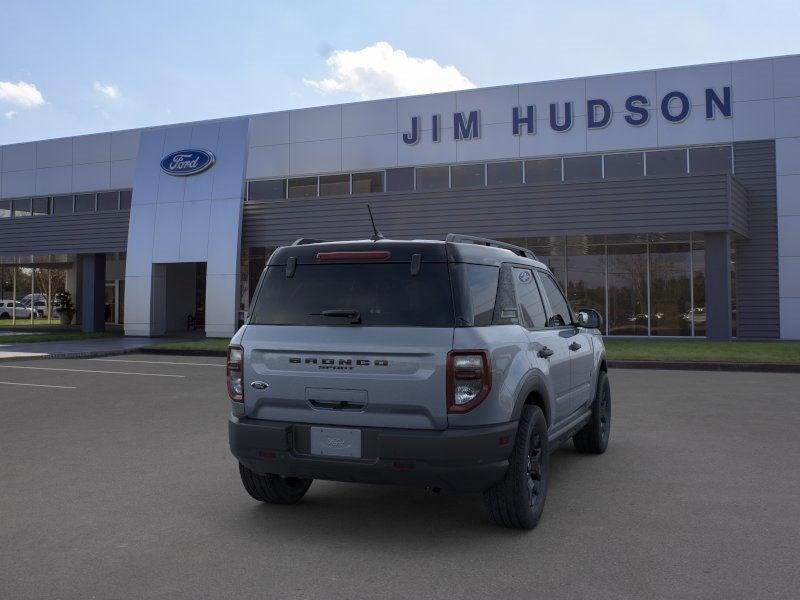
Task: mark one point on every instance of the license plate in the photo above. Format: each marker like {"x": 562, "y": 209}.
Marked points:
{"x": 330, "y": 441}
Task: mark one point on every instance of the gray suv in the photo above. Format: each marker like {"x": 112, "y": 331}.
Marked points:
{"x": 453, "y": 365}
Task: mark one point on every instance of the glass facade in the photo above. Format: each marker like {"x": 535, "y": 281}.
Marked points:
{"x": 642, "y": 284}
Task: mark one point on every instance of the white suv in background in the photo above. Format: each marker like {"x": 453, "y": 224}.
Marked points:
{"x": 14, "y": 308}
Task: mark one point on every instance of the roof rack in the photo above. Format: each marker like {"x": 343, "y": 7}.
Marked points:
{"x": 471, "y": 239}
{"x": 304, "y": 241}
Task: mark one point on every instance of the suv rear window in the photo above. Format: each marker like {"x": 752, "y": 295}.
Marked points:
{"x": 384, "y": 295}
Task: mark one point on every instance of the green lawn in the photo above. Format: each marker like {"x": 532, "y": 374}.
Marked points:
{"x": 220, "y": 344}
{"x": 53, "y": 336}
{"x": 656, "y": 350}
{"x": 702, "y": 351}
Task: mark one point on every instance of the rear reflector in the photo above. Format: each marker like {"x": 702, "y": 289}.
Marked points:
{"x": 355, "y": 256}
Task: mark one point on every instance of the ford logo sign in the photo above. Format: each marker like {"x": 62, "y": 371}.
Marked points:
{"x": 187, "y": 162}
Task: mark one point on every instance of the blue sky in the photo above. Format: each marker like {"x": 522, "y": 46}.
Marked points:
{"x": 69, "y": 68}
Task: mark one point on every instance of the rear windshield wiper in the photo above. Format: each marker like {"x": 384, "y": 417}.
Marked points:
{"x": 346, "y": 313}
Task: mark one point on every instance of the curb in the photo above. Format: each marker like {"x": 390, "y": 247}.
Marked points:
{"x": 220, "y": 353}
{"x": 705, "y": 366}
{"x": 61, "y": 355}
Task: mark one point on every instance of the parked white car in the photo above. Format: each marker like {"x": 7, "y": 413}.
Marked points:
{"x": 12, "y": 308}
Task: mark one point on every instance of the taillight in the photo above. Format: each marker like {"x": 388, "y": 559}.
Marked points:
{"x": 233, "y": 372}
{"x": 469, "y": 379}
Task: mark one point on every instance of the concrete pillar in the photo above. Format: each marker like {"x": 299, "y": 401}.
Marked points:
{"x": 93, "y": 288}
{"x": 718, "y": 286}
{"x": 158, "y": 300}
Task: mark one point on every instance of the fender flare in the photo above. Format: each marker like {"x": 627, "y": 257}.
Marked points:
{"x": 534, "y": 381}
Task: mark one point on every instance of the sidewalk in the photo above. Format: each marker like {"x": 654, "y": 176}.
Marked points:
{"x": 77, "y": 348}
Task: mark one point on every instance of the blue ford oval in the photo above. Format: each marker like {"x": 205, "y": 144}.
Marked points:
{"x": 187, "y": 162}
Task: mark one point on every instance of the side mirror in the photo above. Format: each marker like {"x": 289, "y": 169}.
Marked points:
{"x": 590, "y": 319}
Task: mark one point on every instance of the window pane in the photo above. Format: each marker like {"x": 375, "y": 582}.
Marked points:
{"x": 710, "y": 160}
{"x": 586, "y": 269}
{"x": 272, "y": 189}
{"x": 433, "y": 178}
{"x": 699, "y": 285}
{"x": 125, "y": 199}
{"x": 529, "y": 298}
{"x": 543, "y": 171}
{"x": 400, "y": 180}
{"x": 670, "y": 297}
{"x": 62, "y": 205}
{"x": 666, "y": 162}
{"x": 367, "y": 183}
{"x": 561, "y": 314}
{"x": 504, "y": 173}
{"x": 22, "y": 207}
{"x": 468, "y": 175}
{"x": 624, "y": 165}
{"x": 84, "y": 202}
{"x": 5, "y": 209}
{"x": 41, "y": 206}
{"x": 627, "y": 289}
{"x": 334, "y": 185}
{"x": 108, "y": 201}
{"x": 550, "y": 251}
{"x": 578, "y": 168}
{"x": 303, "y": 187}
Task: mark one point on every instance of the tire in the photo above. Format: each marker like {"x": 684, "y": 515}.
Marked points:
{"x": 518, "y": 500}
{"x": 5, "y": 315}
{"x": 593, "y": 437}
{"x": 273, "y": 489}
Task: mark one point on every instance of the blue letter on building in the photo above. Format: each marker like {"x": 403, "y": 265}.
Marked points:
{"x": 634, "y": 105}
{"x": 436, "y": 130}
{"x": 591, "y": 114}
{"x": 529, "y": 119}
{"x": 567, "y": 124}
{"x": 470, "y": 129}
{"x": 684, "y": 111}
{"x": 723, "y": 105}
{"x": 413, "y": 137}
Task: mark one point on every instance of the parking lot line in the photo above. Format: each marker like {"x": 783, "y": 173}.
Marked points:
{"x": 91, "y": 371}
{"x": 158, "y": 362}
{"x": 42, "y": 385}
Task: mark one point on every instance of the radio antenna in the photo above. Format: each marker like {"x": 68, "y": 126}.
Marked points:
{"x": 376, "y": 235}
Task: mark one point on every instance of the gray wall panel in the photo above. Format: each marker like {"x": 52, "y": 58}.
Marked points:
{"x": 697, "y": 203}
{"x": 757, "y": 257}
{"x": 56, "y": 234}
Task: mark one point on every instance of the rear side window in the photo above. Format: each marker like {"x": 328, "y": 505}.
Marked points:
{"x": 477, "y": 293}
{"x": 529, "y": 299}
{"x": 561, "y": 314}
{"x": 384, "y": 295}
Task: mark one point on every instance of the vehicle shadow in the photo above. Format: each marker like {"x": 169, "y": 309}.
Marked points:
{"x": 344, "y": 512}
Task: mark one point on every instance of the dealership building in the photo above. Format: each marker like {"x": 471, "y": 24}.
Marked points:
{"x": 668, "y": 200}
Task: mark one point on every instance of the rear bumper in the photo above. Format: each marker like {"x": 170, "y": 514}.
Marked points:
{"x": 464, "y": 459}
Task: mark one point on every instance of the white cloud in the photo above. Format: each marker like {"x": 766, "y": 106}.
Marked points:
{"x": 20, "y": 93}
{"x": 109, "y": 91}
{"x": 10, "y": 114}
{"x": 380, "y": 71}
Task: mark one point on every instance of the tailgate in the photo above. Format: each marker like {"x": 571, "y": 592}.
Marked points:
{"x": 358, "y": 376}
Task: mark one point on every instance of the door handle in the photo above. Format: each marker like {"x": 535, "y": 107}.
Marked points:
{"x": 574, "y": 346}
{"x": 545, "y": 352}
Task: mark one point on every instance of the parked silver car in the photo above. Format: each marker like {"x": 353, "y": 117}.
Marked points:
{"x": 452, "y": 364}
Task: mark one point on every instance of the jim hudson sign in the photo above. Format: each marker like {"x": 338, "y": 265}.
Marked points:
{"x": 674, "y": 106}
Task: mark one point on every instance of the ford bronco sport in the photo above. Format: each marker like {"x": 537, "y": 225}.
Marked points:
{"x": 454, "y": 365}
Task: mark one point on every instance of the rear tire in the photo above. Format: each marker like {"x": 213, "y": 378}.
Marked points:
{"x": 273, "y": 489}
{"x": 593, "y": 437}
{"x": 518, "y": 500}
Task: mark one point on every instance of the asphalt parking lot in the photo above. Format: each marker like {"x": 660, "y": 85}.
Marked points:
{"x": 116, "y": 482}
